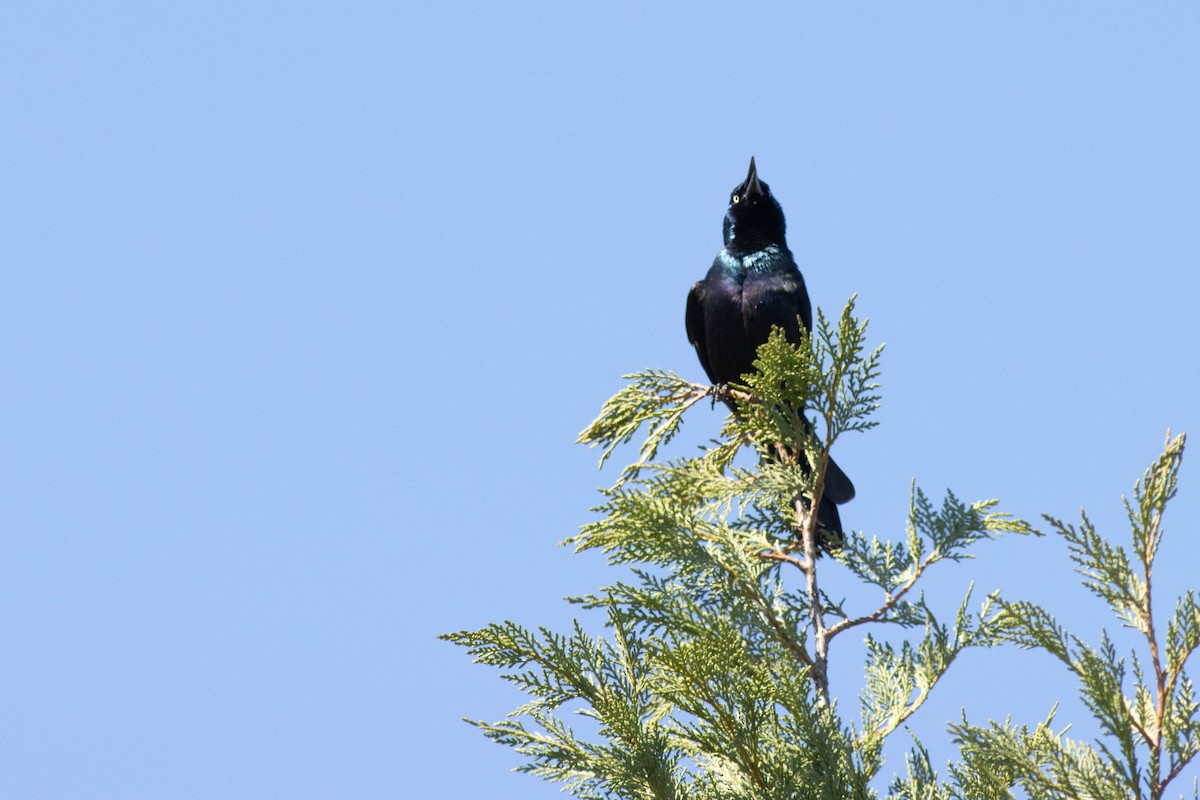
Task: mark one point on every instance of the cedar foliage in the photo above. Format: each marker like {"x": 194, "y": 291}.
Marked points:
{"x": 712, "y": 679}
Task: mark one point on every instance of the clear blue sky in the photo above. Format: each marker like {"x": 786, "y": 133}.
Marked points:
{"x": 302, "y": 306}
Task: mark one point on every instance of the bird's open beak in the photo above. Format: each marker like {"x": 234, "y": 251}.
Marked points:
{"x": 753, "y": 187}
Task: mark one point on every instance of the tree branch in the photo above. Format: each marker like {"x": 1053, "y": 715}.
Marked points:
{"x": 889, "y": 602}
{"x": 808, "y": 526}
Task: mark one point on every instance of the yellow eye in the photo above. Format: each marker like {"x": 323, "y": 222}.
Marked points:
{"x": 736, "y": 199}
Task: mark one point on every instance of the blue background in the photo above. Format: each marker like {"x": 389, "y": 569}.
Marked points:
{"x": 302, "y": 307}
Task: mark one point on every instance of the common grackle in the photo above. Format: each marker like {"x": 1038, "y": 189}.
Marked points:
{"x": 754, "y": 284}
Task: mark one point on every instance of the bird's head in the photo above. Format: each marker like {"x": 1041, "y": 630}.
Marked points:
{"x": 754, "y": 218}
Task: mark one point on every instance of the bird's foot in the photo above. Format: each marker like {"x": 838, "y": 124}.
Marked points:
{"x": 716, "y": 391}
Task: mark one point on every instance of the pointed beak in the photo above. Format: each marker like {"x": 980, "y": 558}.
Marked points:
{"x": 753, "y": 188}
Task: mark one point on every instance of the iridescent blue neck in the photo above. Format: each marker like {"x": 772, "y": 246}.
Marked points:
{"x": 737, "y": 264}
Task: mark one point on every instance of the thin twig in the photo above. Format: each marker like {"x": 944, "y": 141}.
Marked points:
{"x": 889, "y": 602}
{"x": 791, "y": 644}
{"x": 782, "y": 557}
{"x": 1160, "y": 676}
{"x": 808, "y": 521}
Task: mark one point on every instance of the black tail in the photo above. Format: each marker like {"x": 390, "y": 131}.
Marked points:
{"x": 839, "y": 490}
{"x": 838, "y": 487}
{"x": 829, "y": 527}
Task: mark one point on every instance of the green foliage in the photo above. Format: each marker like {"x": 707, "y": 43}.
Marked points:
{"x": 610, "y": 678}
{"x": 1146, "y": 707}
{"x": 829, "y": 374}
{"x": 655, "y": 399}
{"x": 710, "y": 680}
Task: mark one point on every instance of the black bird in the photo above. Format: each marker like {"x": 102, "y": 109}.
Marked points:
{"x": 753, "y": 285}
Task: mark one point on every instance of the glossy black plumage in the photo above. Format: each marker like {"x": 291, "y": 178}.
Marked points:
{"x": 754, "y": 284}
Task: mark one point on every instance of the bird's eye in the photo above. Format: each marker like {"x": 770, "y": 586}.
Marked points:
{"x": 736, "y": 199}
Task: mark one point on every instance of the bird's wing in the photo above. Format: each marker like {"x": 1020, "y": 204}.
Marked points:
{"x": 793, "y": 286}
{"x": 778, "y": 300}
{"x": 694, "y": 320}
{"x": 803, "y": 302}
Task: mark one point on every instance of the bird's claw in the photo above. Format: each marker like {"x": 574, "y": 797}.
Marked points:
{"x": 716, "y": 391}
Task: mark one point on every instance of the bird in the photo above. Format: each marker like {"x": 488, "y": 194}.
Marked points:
{"x": 752, "y": 286}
